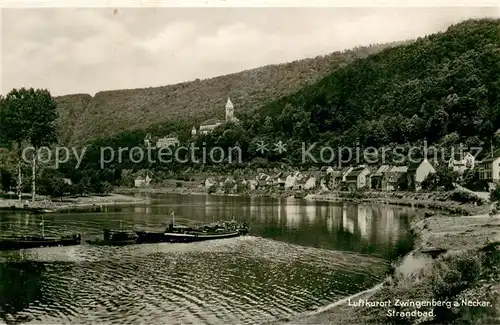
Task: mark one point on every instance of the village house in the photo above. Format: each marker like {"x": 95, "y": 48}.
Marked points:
{"x": 280, "y": 180}
{"x": 264, "y": 180}
{"x": 230, "y": 184}
{"x": 461, "y": 162}
{"x": 166, "y": 142}
{"x": 209, "y": 182}
{"x": 141, "y": 181}
{"x": 300, "y": 183}
{"x": 252, "y": 184}
{"x": 379, "y": 179}
{"x": 418, "y": 172}
{"x": 358, "y": 177}
{"x": 489, "y": 168}
{"x": 310, "y": 183}
{"x": 393, "y": 177}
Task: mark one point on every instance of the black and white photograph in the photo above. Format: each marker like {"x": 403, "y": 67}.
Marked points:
{"x": 225, "y": 162}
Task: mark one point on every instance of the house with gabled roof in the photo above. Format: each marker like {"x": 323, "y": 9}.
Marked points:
{"x": 460, "y": 162}
{"x": 489, "y": 168}
{"x": 418, "y": 172}
{"x": 281, "y": 179}
{"x": 358, "y": 177}
{"x": 311, "y": 183}
{"x": 300, "y": 183}
{"x": 379, "y": 180}
{"x": 393, "y": 177}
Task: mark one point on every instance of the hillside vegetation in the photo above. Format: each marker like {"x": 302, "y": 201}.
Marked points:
{"x": 443, "y": 88}
{"x": 83, "y": 117}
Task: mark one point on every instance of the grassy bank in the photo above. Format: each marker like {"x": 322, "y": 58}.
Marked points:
{"x": 467, "y": 270}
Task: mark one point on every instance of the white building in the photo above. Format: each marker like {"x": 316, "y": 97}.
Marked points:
{"x": 142, "y": 181}
{"x": 460, "y": 163}
{"x": 489, "y": 168}
{"x": 166, "y": 142}
{"x": 418, "y": 172}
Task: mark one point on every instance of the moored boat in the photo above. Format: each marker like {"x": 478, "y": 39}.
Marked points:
{"x": 116, "y": 237}
{"x": 37, "y": 241}
{"x": 33, "y": 241}
{"x": 184, "y": 234}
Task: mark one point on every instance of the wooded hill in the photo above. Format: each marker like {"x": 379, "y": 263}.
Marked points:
{"x": 443, "y": 88}
{"x": 83, "y": 117}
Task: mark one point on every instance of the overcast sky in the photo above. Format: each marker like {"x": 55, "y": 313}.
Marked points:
{"x": 90, "y": 50}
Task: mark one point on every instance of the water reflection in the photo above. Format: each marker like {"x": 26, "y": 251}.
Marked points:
{"x": 290, "y": 263}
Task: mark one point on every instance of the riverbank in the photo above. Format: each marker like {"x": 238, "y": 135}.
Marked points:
{"x": 67, "y": 203}
{"x": 466, "y": 272}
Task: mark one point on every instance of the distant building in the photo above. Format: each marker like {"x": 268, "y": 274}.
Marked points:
{"x": 393, "y": 177}
{"x": 489, "y": 168}
{"x": 166, "y": 142}
{"x": 209, "y": 126}
{"x": 358, "y": 178}
{"x": 418, "y": 172}
{"x": 460, "y": 163}
{"x": 310, "y": 183}
{"x": 141, "y": 181}
{"x": 379, "y": 179}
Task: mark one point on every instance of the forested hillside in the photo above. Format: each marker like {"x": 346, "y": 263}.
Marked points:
{"x": 84, "y": 118}
{"x": 444, "y": 87}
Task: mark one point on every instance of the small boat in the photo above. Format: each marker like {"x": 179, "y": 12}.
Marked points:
{"x": 40, "y": 211}
{"x": 116, "y": 237}
{"x": 23, "y": 242}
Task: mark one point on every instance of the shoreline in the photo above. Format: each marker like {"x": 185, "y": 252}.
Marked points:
{"x": 71, "y": 203}
{"x": 436, "y": 201}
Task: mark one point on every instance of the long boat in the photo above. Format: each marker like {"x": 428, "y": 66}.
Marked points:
{"x": 115, "y": 238}
{"x": 33, "y": 241}
{"x": 184, "y": 234}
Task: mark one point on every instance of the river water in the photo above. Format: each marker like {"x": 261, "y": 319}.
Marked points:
{"x": 299, "y": 256}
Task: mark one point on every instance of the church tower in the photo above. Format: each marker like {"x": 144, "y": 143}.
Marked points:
{"x": 229, "y": 111}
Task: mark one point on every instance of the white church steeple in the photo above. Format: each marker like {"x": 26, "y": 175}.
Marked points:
{"x": 229, "y": 110}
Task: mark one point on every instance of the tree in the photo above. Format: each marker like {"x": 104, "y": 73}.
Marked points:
{"x": 28, "y": 116}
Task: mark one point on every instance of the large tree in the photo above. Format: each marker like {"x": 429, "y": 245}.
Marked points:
{"x": 28, "y": 117}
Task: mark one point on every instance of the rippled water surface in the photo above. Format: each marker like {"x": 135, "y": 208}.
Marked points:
{"x": 299, "y": 256}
